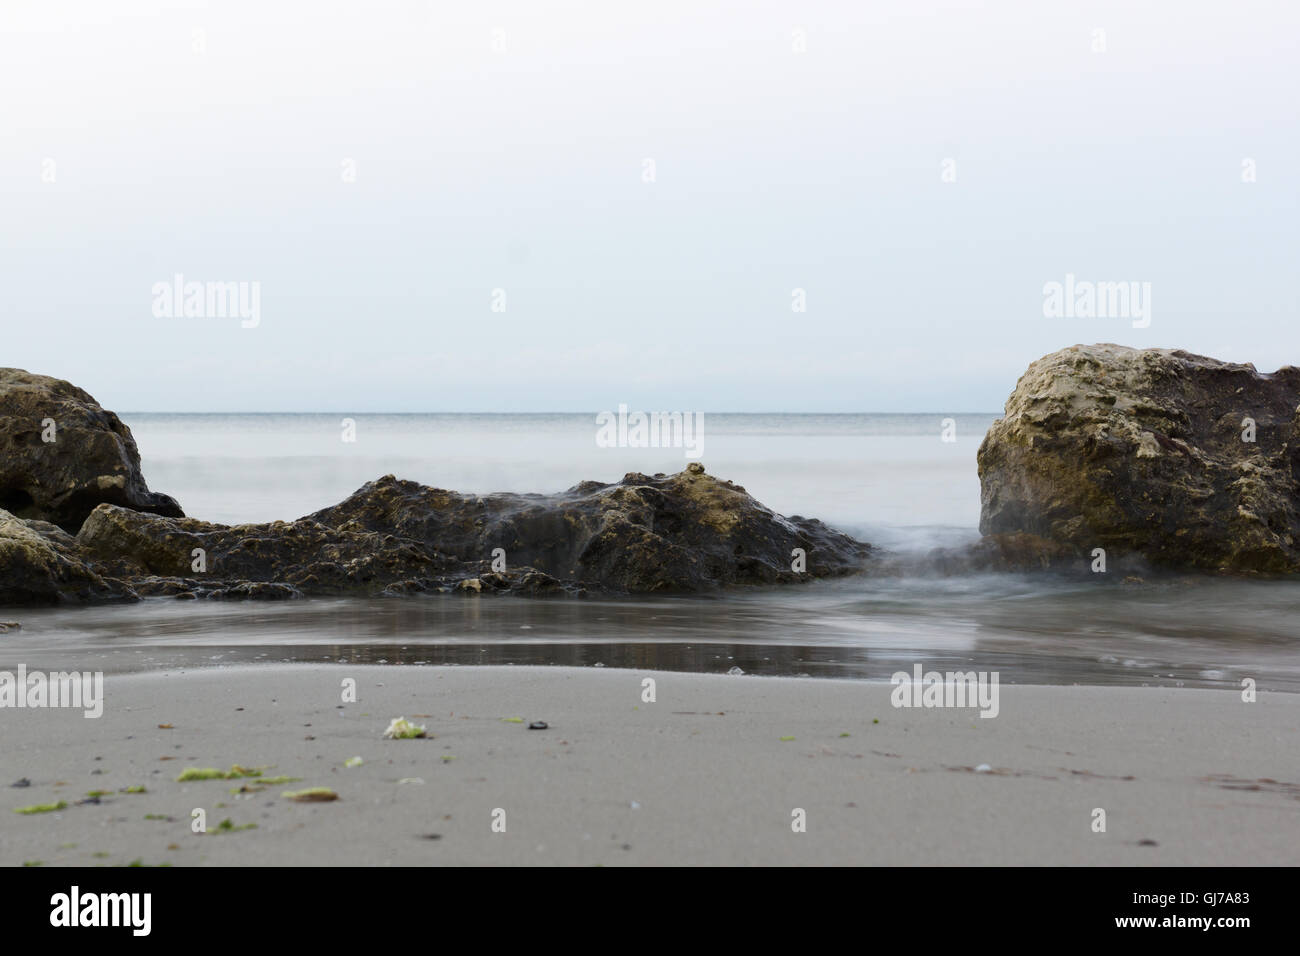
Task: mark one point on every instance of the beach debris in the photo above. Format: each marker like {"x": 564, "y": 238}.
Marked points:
{"x": 1147, "y": 843}
{"x": 538, "y": 725}
{"x": 402, "y": 729}
{"x": 311, "y": 795}
{"x": 21, "y": 782}
{"x": 634, "y": 805}
{"x": 410, "y": 780}
{"x": 229, "y": 826}
{"x": 353, "y": 762}
{"x": 735, "y": 672}
{"x": 431, "y": 836}
{"x": 983, "y": 768}
{"x": 190, "y": 774}
{"x": 6, "y": 626}
{"x": 166, "y": 727}
{"x": 42, "y": 808}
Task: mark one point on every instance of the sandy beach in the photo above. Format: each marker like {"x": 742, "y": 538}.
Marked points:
{"x": 711, "y": 772}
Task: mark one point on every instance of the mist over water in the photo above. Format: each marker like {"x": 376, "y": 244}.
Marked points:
{"x": 888, "y": 479}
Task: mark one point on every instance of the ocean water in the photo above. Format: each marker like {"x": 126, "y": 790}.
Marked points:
{"x": 888, "y": 479}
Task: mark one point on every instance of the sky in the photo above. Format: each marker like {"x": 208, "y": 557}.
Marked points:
{"x": 568, "y": 206}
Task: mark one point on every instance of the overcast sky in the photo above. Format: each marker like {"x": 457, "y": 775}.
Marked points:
{"x": 380, "y": 168}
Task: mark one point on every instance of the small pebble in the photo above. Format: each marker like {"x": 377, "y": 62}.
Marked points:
{"x": 538, "y": 725}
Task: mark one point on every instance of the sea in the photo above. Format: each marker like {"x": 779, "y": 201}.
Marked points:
{"x": 907, "y": 483}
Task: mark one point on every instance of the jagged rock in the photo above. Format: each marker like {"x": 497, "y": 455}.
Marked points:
{"x": 299, "y": 557}
{"x": 683, "y": 532}
{"x": 1141, "y": 453}
{"x": 92, "y": 459}
{"x": 46, "y": 568}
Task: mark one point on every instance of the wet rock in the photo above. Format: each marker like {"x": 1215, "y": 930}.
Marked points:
{"x": 1146, "y": 453}
{"x": 676, "y": 533}
{"x": 61, "y": 454}
{"x": 38, "y": 568}
{"x": 276, "y": 560}
{"x": 683, "y": 532}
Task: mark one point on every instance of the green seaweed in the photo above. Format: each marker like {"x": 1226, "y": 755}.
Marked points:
{"x": 262, "y": 784}
{"x": 42, "y": 807}
{"x": 229, "y": 826}
{"x": 236, "y": 772}
{"x": 135, "y": 788}
{"x": 788, "y": 738}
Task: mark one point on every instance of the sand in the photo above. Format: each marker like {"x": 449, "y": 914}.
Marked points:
{"x": 700, "y": 776}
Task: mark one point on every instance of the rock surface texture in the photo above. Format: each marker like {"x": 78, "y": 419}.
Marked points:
{"x": 1148, "y": 453}
{"x": 61, "y": 454}
{"x": 680, "y": 533}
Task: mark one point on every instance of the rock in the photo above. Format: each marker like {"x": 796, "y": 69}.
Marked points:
{"x": 680, "y": 533}
{"x": 92, "y": 459}
{"x": 37, "y": 568}
{"x": 684, "y": 532}
{"x": 1142, "y": 453}
{"x": 268, "y": 561}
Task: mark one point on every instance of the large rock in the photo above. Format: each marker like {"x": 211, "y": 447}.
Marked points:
{"x": 1142, "y": 453}
{"x": 677, "y": 533}
{"x": 92, "y": 459}
{"x": 184, "y": 555}
{"x": 682, "y": 532}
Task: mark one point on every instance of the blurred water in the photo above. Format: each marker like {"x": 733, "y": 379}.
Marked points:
{"x": 886, "y": 478}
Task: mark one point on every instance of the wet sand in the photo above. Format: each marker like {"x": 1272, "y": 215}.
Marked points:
{"x": 700, "y": 776}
